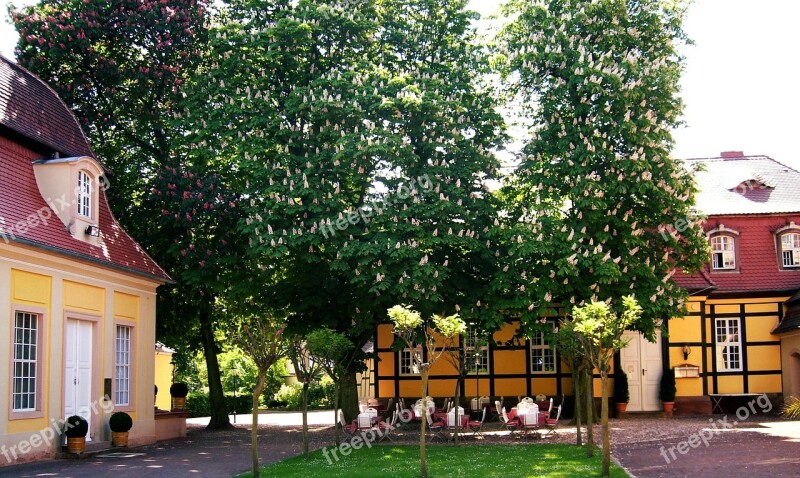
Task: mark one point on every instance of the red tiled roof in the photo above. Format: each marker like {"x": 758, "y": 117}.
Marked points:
{"x": 31, "y": 108}
{"x": 694, "y": 282}
{"x": 21, "y": 198}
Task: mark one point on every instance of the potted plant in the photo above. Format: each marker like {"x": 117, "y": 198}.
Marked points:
{"x": 668, "y": 390}
{"x": 178, "y": 391}
{"x": 76, "y": 428}
{"x": 120, "y": 424}
{"x": 621, "y": 393}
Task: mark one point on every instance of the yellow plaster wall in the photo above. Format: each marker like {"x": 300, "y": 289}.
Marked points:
{"x": 685, "y": 329}
{"x": 764, "y": 357}
{"x": 385, "y": 336}
{"x": 126, "y": 306}
{"x": 764, "y": 383}
{"x": 163, "y": 379}
{"x": 386, "y": 364}
{"x": 84, "y": 298}
{"x": 509, "y": 361}
{"x": 544, "y": 386}
{"x": 730, "y": 384}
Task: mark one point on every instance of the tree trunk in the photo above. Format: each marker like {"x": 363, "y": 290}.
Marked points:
{"x": 576, "y": 381}
{"x": 219, "y": 410}
{"x": 349, "y": 395}
{"x": 260, "y": 385}
{"x": 606, "y": 431}
{"x": 423, "y": 460}
{"x": 458, "y": 402}
{"x": 589, "y": 413}
{"x": 336, "y": 411}
{"x": 305, "y": 418}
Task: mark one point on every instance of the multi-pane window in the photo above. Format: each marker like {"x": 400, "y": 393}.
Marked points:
{"x": 122, "y": 366}
{"x": 25, "y": 366}
{"x": 543, "y": 359}
{"x": 84, "y": 194}
{"x": 407, "y": 362}
{"x": 729, "y": 345}
{"x": 723, "y": 253}
{"x": 790, "y": 249}
{"x": 478, "y": 349}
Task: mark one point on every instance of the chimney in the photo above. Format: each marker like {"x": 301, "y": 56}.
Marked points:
{"x": 731, "y": 154}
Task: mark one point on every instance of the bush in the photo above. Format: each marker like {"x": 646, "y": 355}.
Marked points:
{"x": 76, "y": 427}
{"x": 621, "y": 393}
{"x": 320, "y": 395}
{"x": 198, "y": 404}
{"x": 668, "y": 388}
{"x": 120, "y": 422}
{"x": 179, "y": 390}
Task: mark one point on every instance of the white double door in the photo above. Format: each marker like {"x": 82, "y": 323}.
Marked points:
{"x": 78, "y": 348}
{"x": 643, "y": 364}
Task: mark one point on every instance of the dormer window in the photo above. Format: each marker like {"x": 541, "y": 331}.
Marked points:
{"x": 84, "y": 194}
{"x": 723, "y": 252}
{"x": 790, "y": 249}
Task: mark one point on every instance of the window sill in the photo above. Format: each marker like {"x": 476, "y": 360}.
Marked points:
{"x": 12, "y": 415}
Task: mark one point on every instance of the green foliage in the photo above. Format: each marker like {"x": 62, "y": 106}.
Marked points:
{"x": 320, "y": 395}
{"x": 405, "y": 319}
{"x": 333, "y": 350}
{"x": 198, "y": 404}
{"x": 120, "y": 422}
{"x": 76, "y": 427}
{"x": 493, "y": 461}
{"x": 621, "y": 392}
{"x": 597, "y": 208}
{"x": 792, "y": 408}
{"x": 668, "y": 389}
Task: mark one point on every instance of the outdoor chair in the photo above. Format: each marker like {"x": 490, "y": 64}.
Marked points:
{"x": 544, "y": 404}
{"x": 365, "y": 422}
{"x": 349, "y": 428}
{"x": 550, "y": 424}
{"x": 437, "y": 428}
{"x": 475, "y": 426}
{"x": 509, "y": 424}
{"x": 387, "y": 428}
{"x": 529, "y": 421}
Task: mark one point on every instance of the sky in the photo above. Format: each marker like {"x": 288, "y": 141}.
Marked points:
{"x": 739, "y": 85}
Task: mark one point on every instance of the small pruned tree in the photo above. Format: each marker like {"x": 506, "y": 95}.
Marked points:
{"x": 464, "y": 358}
{"x": 574, "y": 356}
{"x": 334, "y": 352}
{"x": 306, "y": 370}
{"x": 260, "y": 337}
{"x": 600, "y": 330}
{"x": 433, "y": 335}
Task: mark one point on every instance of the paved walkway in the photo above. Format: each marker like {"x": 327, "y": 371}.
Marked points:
{"x": 764, "y": 446}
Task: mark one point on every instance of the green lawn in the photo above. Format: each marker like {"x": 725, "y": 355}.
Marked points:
{"x": 540, "y": 460}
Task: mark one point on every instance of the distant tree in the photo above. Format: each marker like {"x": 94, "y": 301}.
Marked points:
{"x": 334, "y": 352}
{"x": 306, "y": 370}
{"x": 572, "y": 352}
{"x": 600, "y": 331}
{"x": 433, "y": 336}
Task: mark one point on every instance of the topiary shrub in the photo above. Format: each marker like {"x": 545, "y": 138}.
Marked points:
{"x": 76, "y": 427}
{"x": 179, "y": 390}
{"x": 120, "y": 422}
{"x": 621, "y": 393}
{"x": 668, "y": 387}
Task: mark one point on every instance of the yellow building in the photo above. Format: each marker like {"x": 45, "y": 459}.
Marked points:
{"x": 77, "y": 294}
{"x": 729, "y": 343}
{"x": 164, "y": 371}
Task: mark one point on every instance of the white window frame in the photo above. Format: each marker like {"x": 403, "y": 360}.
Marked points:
{"x": 84, "y": 192}
{"x": 123, "y": 364}
{"x": 723, "y": 248}
{"x": 728, "y": 339}
{"x": 406, "y": 361}
{"x": 790, "y": 249}
{"x": 481, "y": 366}
{"x": 27, "y": 352}
{"x": 540, "y": 349}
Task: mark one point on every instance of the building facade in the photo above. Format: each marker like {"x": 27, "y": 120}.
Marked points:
{"x": 77, "y": 294}
{"x": 729, "y": 342}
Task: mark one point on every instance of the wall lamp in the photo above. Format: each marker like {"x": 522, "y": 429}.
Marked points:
{"x": 686, "y": 351}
